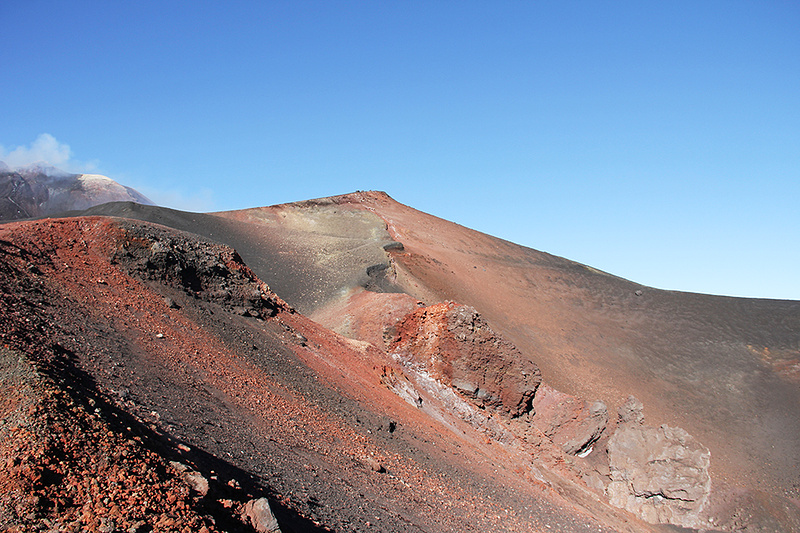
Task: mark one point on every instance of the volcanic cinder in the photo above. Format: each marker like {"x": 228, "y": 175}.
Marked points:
{"x": 352, "y": 364}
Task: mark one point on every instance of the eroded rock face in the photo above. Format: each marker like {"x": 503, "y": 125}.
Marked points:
{"x": 457, "y": 347}
{"x": 570, "y": 422}
{"x": 659, "y": 474}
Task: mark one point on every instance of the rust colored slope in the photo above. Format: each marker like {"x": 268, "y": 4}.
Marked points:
{"x": 723, "y": 368}
{"x": 278, "y": 406}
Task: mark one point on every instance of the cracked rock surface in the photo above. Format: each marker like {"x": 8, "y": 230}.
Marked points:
{"x": 659, "y": 474}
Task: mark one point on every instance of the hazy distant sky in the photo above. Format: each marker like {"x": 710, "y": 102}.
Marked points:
{"x": 658, "y": 141}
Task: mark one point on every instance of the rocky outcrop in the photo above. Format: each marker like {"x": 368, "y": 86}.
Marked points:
{"x": 204, "y": 270}
{"x": 572, "y": 423}
{"x": 659, "y": 474}
{"x": 456, "y": 346}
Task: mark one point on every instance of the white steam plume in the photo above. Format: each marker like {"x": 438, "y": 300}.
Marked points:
{"x": 45, "y": 150}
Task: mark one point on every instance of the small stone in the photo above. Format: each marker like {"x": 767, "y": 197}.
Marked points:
{"x": 138, "y": 527}
{"x": 375, "y": 465}
{"x": 260, "y": 516}
{"x": 393, "y": 246}
{"x": 197, "y": 481}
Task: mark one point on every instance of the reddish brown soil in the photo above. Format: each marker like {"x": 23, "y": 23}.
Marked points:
{"x": 65, "y": 468}
{"x": 368, "y": 316}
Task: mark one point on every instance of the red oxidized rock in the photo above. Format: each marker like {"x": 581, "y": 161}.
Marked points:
{"x": 456, "y": 346}
{"x": 570, "y": 422}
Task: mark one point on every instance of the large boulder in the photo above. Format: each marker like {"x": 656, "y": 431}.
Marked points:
{"x": 456, "y": 346}
{"x": 659, "y": 474}
{"x": 572, "y": 423}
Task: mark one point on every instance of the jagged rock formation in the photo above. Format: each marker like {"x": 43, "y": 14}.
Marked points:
{"x": 211, "y": 272}
{"x": 660, "y": 474}
{"x": 456, "y": 346}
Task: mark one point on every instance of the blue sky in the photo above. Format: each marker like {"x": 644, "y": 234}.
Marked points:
{"x": 656, "y": 141}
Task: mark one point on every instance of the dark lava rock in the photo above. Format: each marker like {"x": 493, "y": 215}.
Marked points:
{"x": 204, "y": 270}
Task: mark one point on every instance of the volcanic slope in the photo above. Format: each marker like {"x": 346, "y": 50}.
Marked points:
{"x": 724, "y": 369}
{"x": 152, "y": 382}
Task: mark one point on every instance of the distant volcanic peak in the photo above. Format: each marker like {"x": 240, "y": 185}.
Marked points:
{"x": 39, "y": 190}
{"x": 100, "y": 187}
{"x": 97, "y": 181}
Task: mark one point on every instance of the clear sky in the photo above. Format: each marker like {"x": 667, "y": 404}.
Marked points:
{"x": 658, "y": 141}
